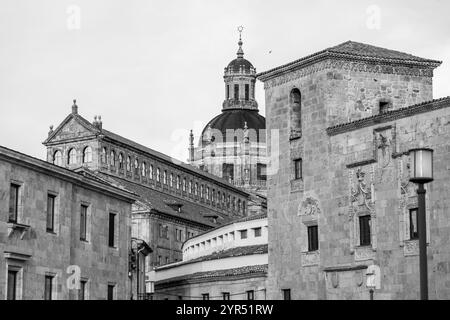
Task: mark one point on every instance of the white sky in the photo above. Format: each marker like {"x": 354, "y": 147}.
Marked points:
{"x": 153, "y": 69}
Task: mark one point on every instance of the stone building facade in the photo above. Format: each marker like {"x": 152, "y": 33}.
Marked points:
{"x": 176, "y": 201}
{"x": 226, "y": 263}
{"x": 340, "y": 200}
{"x": 63, "y": 234}
{"x": 233, "y": 144}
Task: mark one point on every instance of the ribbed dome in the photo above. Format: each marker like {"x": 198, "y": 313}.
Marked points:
{"x": 235, "y": 119}
{"x": 237, "y": 63}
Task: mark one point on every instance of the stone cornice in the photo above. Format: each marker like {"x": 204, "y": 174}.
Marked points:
{"x": 302, "y": 71}
{"x": 390, "y": 116}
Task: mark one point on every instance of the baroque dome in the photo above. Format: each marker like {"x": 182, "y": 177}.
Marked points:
{"x": 235, "y": 119}
{"x": 239, "y": 63}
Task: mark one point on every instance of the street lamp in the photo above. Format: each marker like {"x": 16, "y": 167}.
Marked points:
{"x": 421, "y": 173}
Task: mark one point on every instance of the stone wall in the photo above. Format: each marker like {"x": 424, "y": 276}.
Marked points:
{"x": 327, "y": 195}
{"x": 54, "y": 252}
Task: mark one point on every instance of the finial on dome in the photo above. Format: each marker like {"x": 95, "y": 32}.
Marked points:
{"x": 240, "y": 53}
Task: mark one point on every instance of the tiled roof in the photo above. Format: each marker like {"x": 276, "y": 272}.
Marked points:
{"x": 160, "y": 202}
{"x": 229, "y": 253}
{"x": 390, "y": 116}
{"x": 258, "y": 270}
{"x": 355, "y": 50}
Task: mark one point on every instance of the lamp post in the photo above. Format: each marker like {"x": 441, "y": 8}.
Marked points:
{"x": 421, "y": 173}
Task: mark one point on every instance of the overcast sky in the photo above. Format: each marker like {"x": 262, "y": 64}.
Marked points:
{"x": 154, "y": 69}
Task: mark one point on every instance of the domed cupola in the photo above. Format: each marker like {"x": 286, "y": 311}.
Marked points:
{"x": 240, "y": 79}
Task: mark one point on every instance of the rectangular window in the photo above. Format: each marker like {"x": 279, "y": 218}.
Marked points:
{"x": 82, "y": 291}
{"x": 413, "y": 223}
{"x": 51, "y": 199}
{"x": 48, "y": 287}
{"x": 236, "y": 92}
{"x": 298, "y": 169}
{"x": 13, "y": 203}
{"x": 83, "y": 222}
{"x": 228, "y": 91}
{"x": 247, "y": 92}
{"x": 205, "y": 296}
{"x": 111, "y": 288}
{"x": 261, "y": 170}
{"x": 313, "y": 238}
{"x": 286, "y": 294}
{"x": 112, "y": 226}
{"x": 243, "y": 234}
{"x": 12, "y": 285}
{"x": 251, "y": 295}
{"x": 257, "y": 232}
{"x": 226, "y": 295}
{"x": 364, "y": 231}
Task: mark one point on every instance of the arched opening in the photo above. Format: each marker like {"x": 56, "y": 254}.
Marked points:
{"x": 57, "y": 158}
{"x": 87, "y": 155}
{"x": 112, "y": 159}
{"x": 72, "y": 156}
{"x": 136, "y": 167}
{"x": 295, "y": 114}
{"x": 120, "y": 161}
{"x": 143, "y": 169}
{"x": 104, "y": 155}
{"x": 128, "y": 163}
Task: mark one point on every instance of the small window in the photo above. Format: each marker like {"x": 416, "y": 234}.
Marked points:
{"x": 313, "y": 238}
{"x": 12, "y": 285}
{"x": 385, "y": 106}
{"x": 205, "y": 296}
{"x": 261, "y": 171}
{"x": 120, "y": 161}
{"x": 184, "y": 184}
{"x": 83, "y": 222}
{"x": 51, "y": 199}
{"x": 171, "y": 180}
{"x": 413, "y": 224}
{"x": 48, "y": 287}
{"x": 57, "y": 158}
{"x": 136, "y": 167}
{"x": 228, "y": 91}
{"x": 72, "y": 158}
{"x": 111, "y": 230}
{"x": 243, "y": 234}
{"x": 251, "y": 295}
{"x": 143, "y": 169}
{"x": 165, "y": 177}
{"x": 112, "y": 159}
{"x": 178, "y": 182}
{"x": 226, "y": 295}
{"x": 158, "y": 175}
{"x": 286, "y": 294}
{"x": 364, "y": 231}
{"x": 87, "y": 155}
{"x": 151, "y": 172}
{"x": 247, "y": 92}
{"x": 236, "y": 92}
{"x": 14, "y": 196}
{"x": 82, "y": 294}
{"x": 111, "y": 289}
{"x": 298, "y": 169}
{"x": 257, "y": 232}
{"x": 128, "y": 163}
{"x": 104, "y": 155}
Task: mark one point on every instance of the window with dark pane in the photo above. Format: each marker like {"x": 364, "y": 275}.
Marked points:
{"x": 51, "y": 199}
{"x": 236, "y": 92}
{"x": 13, "y": 202}
{"x": 247, "y": 92}
{"x": 286, "y": 294}
{"x": 205, "y": 296}
{"x": 82, "y": 290}
{"x": 111, "y": 288}
{"x": 83, "y": 222}
{"x": 251, "y": 295}
{"x": 48, "y": 287}
{"x": 313, "y": 238}
{"x": 111, "y": 231}
{"x": 226, "y": 295}
{"x": 413, "y": 224}
{"x": 12, "y": 285}
{"x": 298, "y": 169}
{"x": 364, "y": 231}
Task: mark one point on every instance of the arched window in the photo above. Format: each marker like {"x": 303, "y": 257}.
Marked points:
{"x": 207, "y": 193}
{"x": 120, "y": 160}
{"x": 165, "y": 177}
{"x": 136, "y": 166}
{"x": 143, "y": 169}
{"x": 184, "y": 184}
{"x": 239, "y": 206}
{"x": 151, "y": 172}
{"x": 202, "y": 191}
{"x": 57, "y": 158}
{"x": 72, "y": 158}
{"x": 296, "y": 114}
{"x": 104, "y": 155}
{"x": 190, "y": 186}
{"x": 112, "y": 158}
{"x": 243, "y": 207}
{"x": 171, "y": 180}
{"x": 128, "y": 163}
{"x": 196, "y": 189}
{"x": 87, "y": 155}
{"x": 178, "y": 182}
{"x": 158, "y": 175}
